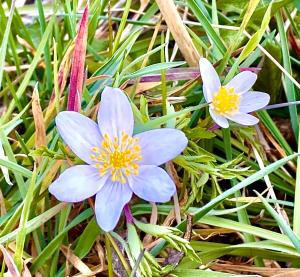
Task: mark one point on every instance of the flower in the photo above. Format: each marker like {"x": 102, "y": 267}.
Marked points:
{"x": 118, "y": 162}
{"x": 234, "y": 100}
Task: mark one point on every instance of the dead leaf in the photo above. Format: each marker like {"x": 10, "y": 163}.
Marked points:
{"x": 10, "y": 264}
{"x": 40, "y": 131}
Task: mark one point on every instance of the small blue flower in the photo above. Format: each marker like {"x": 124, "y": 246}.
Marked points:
{"x": 118, "y": 163}
{"x": 232, "y": 101}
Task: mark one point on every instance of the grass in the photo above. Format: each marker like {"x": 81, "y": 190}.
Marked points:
{"x": 238, "y": 190}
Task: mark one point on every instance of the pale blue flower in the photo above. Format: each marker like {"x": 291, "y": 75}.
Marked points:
{"x": 232, "y": 101}
{"x": 118, "y": 162}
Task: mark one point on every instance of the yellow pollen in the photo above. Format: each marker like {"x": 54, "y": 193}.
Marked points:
{"x": 117, "y": 157}
{"x": 225, "y": 101}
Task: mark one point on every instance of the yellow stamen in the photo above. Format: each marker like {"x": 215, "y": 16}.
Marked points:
{"x": 225, "y": 101}
{"x": 118, "y": 157}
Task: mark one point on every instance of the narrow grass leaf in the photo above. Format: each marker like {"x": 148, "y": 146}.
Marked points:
{"x": 5, "y": 40}
{"x": 281, "y": 222}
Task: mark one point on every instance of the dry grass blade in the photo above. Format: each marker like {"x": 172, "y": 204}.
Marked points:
{"x": 179, "y": 32}
{"x": 11, "y": 266}
{"x": 76, "y": 261}
{"x": 40, "y": 130}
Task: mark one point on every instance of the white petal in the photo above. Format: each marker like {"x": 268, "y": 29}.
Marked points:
{"x": 253, "y": 100}
{"x": 79, "y": 132}
{"x": 244, "y": 119}
{"x": 210, "y": 79}
{"x": 77, "y": 183}
{"x": 161, "y": 145}
{"x": 242, "y": 82}
{"x": 152, "y": 184}
{"x": 109, "y": 204}
{"x": 115, "y": 113}
{"x": 220, "y": 120}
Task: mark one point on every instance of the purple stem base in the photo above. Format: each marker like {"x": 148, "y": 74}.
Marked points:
{"x": 128, "y": 214}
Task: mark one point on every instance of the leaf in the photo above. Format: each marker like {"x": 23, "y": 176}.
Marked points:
{"x": 217, "y": 200}
{"x": 31, "y": 69}
{"x": 5, "y": 40}
{"x": 15, "y": 167}
{"x": 77, "y": 70}
{"x": 281, "y": 222}
{"x": 153, "y": 68}
{"x": 255, "y": 39}
{"x": 40, "y": 131}
{"x": 4, "y": 169}
{"x": 11, "y": 266}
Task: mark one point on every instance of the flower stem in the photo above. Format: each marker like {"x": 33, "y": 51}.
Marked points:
{"x": 128, "y": 214}
{"x": 109, "y": 256}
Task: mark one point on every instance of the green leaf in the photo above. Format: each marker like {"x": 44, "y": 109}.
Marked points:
{"x": 153, "y": 68}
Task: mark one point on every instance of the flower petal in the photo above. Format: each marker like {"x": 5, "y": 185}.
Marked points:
{"x": 244, "y": 119}
{"x": 152, "y": 184}
{"x": 253, "y": 100}
{"x": 79, "y": 132}
{"x": 77, "y": 183}
{"x": 115, "y": 113}
{"x": 109, "y": 203}
{"x": 210, "y": 79}
{"x": 161, "y": 145}
{"x": 242, "y": 82}
{"x": 220, "y": 120}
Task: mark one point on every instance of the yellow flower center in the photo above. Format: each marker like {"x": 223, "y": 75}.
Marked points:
{"x": 225, "y": 101}
{"x": 118, "y": 157}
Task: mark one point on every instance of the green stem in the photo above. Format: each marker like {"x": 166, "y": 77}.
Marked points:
{"x": 109, "y": 256}
{"x": 296, "y": 218}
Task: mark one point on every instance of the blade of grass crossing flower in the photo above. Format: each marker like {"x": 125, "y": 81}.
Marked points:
{"x": 5, "y": 40}
{"x": 77, "y": 70}
{"x": 21, "y": 235}
{"x": 281, "y": 222}
{"x": 217, "y": 200}
{"x": 31, "y": 69}
{"x": 288, "y": 85}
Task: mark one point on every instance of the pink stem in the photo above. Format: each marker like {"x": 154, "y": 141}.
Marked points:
{"x": 128, "y": 214}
